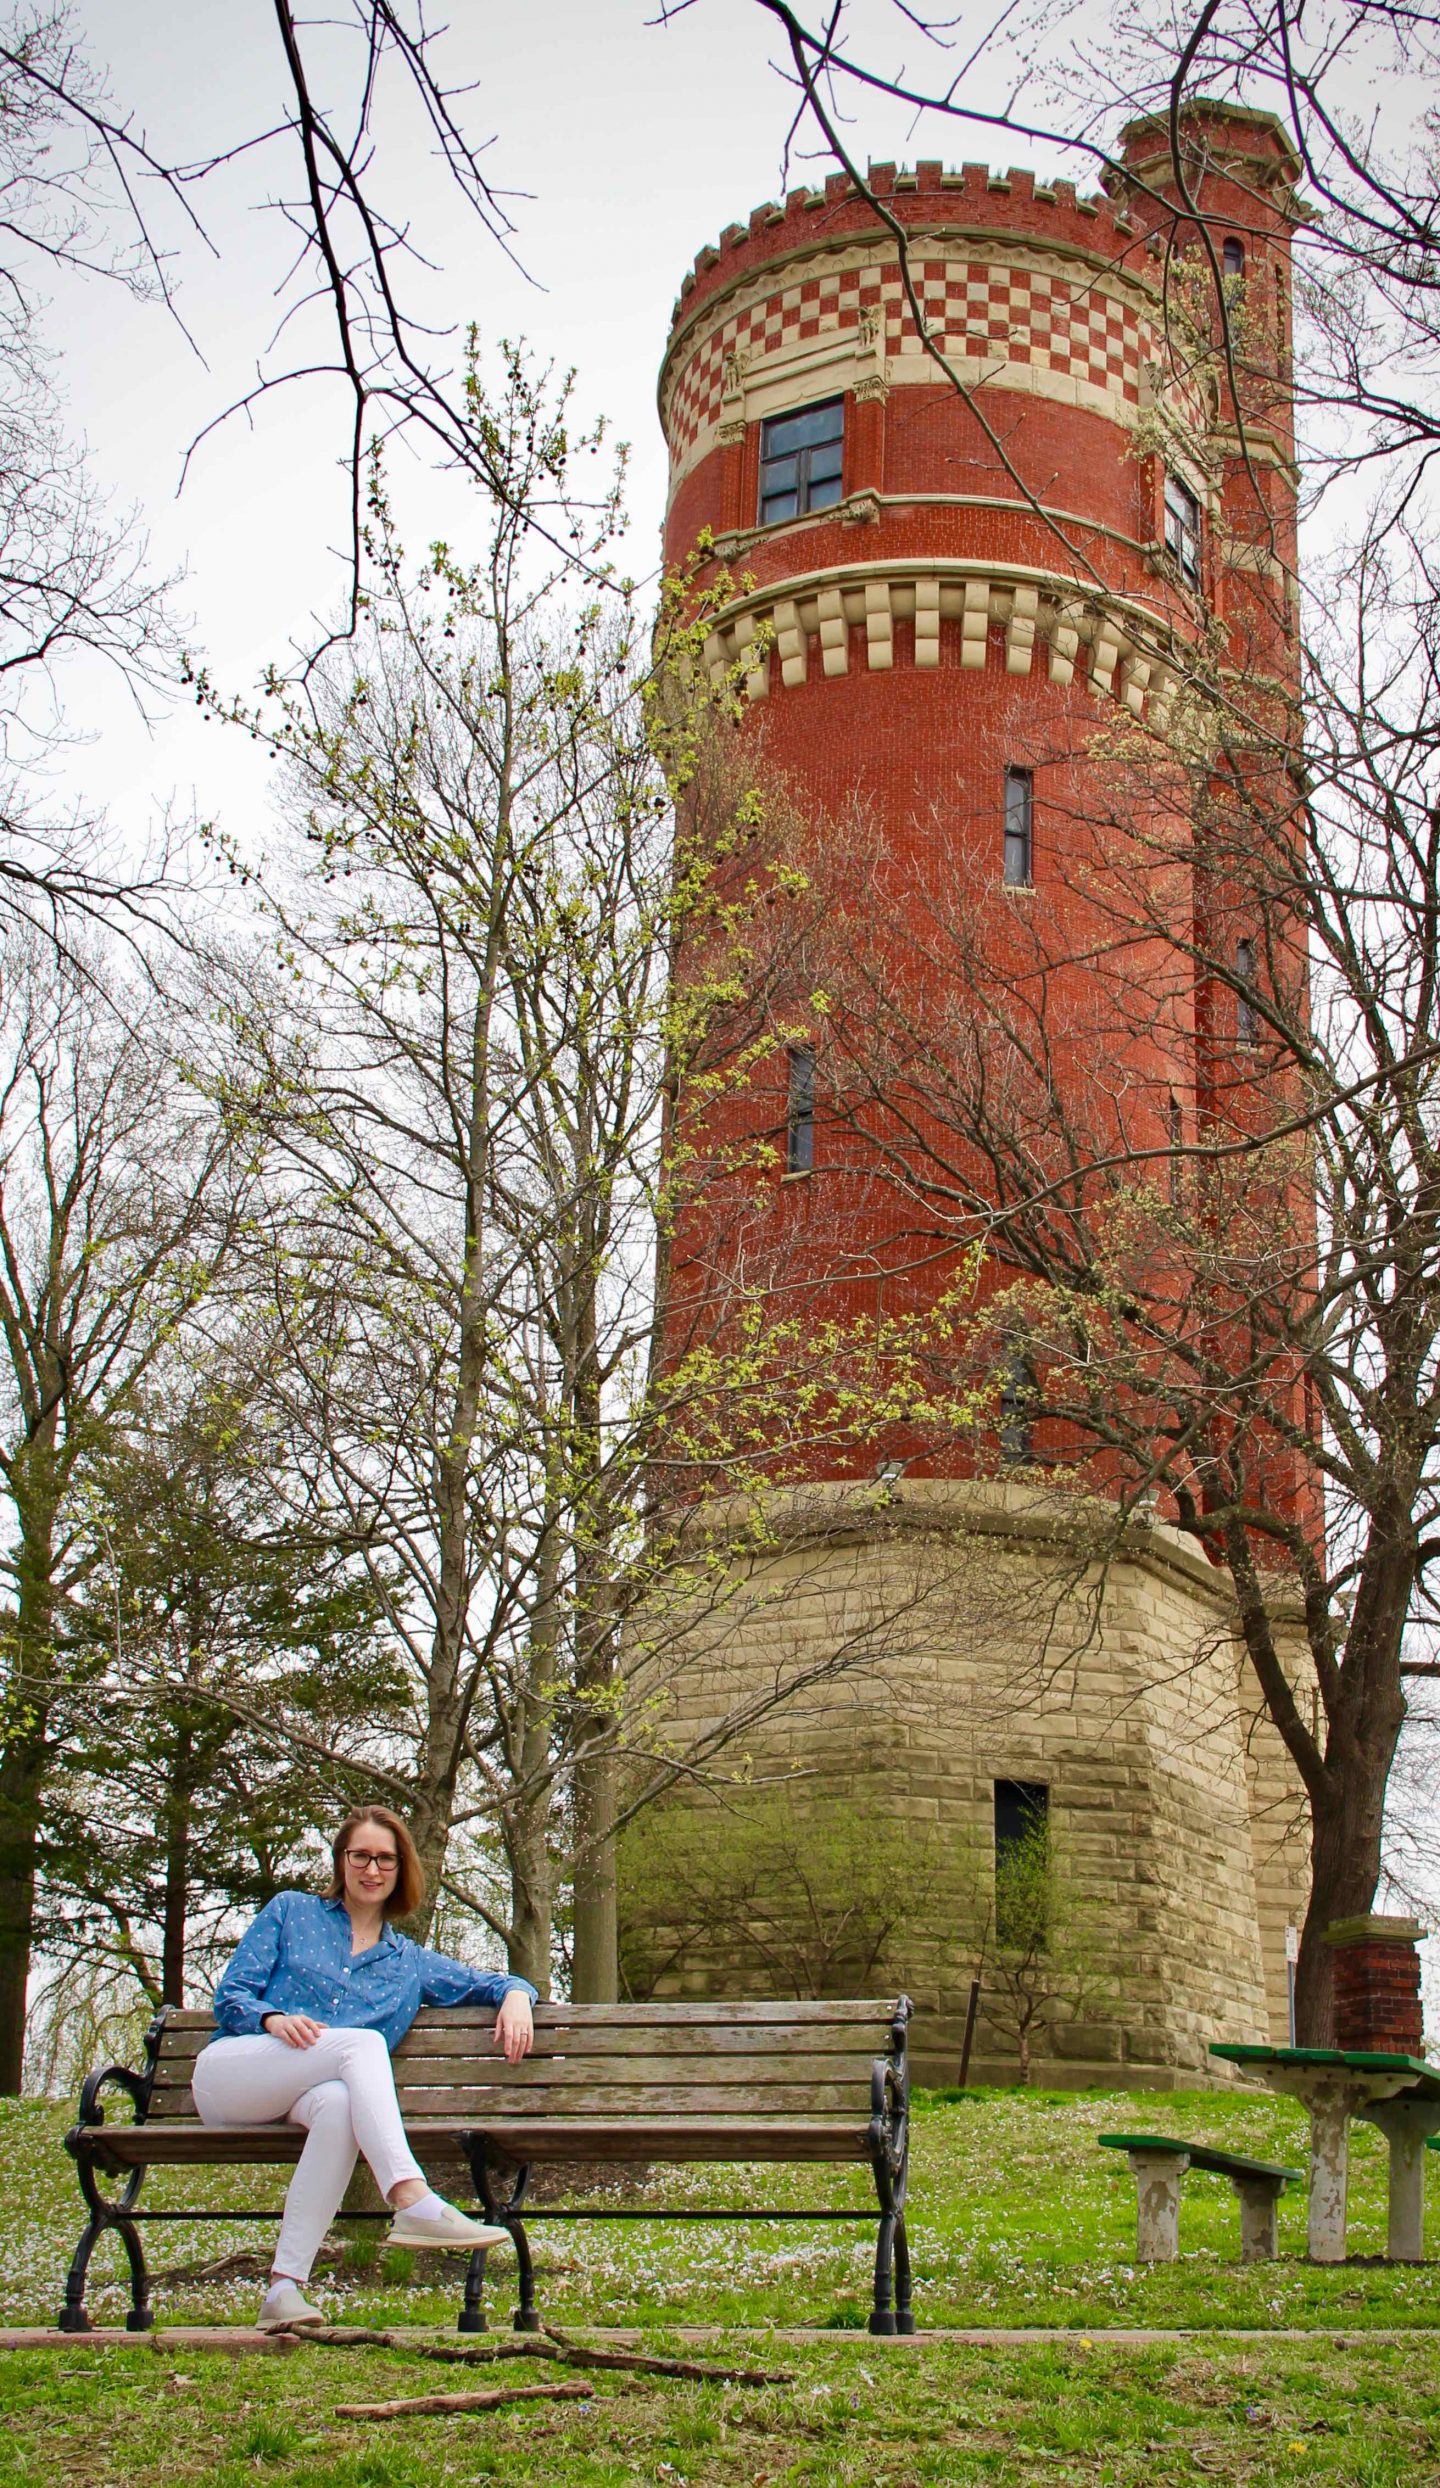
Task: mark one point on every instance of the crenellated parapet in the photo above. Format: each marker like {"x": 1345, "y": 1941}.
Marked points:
{"x": 929, "y": 197}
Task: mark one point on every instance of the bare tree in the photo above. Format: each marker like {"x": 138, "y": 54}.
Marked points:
{"x": 505, "y": 990}
{"x": 119, "y": 1199}
{"x": 354, "y": 318}
{"x": 75, "y": 590}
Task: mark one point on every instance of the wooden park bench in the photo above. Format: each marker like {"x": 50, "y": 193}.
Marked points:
{"x": 606, "y": 2082}
{"x": 1159, "y": 2161}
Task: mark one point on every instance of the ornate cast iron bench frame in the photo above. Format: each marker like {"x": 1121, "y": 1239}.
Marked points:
{"x": 777, "y": 2083}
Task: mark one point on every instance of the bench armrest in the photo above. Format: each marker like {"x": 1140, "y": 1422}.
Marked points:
{"x": 138, "y": 2085}
{"x": 890, "y": 2095}
{"x": 125, "y": 2079}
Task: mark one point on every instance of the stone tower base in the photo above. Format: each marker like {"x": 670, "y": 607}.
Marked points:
{"x": 904, "y": 1649}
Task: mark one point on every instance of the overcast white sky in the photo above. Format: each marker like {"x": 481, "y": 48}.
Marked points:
{"x": 636, "y": 142}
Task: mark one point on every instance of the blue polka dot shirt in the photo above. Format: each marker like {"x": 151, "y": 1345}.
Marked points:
{"x": 296, "y": 1958}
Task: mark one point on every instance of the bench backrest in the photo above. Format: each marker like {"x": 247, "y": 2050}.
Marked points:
{"x": 723, "y": 2058}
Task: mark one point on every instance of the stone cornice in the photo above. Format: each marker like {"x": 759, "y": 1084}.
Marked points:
{"x": 1129, "y": 650}
{"x": 733, "y": 548}
{"x": 833, "y": 1513}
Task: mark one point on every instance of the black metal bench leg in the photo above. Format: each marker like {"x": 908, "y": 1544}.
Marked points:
{"x": 882, "y": 2320}
{"x": 527, "y": 2318}
{"x": 472, "y": 2313}
{"x": 904, "y": 2320}
{"x": 141, "y": 2317}
{"x": 72, "y": 2317}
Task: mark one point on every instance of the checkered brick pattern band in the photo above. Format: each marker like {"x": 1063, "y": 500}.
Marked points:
{"x": 981, "y": 309}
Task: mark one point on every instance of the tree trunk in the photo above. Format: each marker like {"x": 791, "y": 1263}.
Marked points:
{"x": 177, "y": 1865}
{"x": 596, "y": 1971}
{"x": 532, "y": 1899}
{"x": 22, "y": 1777}
{"x": 26, "y": 1757}
{"x": 430, "y": 1820}
{"x": 1345, "y": 1868}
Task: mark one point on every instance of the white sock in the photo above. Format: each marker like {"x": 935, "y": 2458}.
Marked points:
{"x": 282, "y": 2282}
{"x": 430, "y": 2207}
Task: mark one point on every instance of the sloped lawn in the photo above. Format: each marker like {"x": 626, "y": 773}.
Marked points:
{"x": 1017, "y": 2220}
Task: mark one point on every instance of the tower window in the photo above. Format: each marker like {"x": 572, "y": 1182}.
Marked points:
{"x": 801, "y": 456}
{"x": 1175, "y": 1131}
{"x": 1019, "y": 828}
{"x": 1247, "y": 1018}
{"x": 1022, "y": 1821}
{"x": 1182, "y": 529}
{"x": 800, "y": 1112}
{"x": 1019, "y": 1806}
{"x": 1233, "y": 255}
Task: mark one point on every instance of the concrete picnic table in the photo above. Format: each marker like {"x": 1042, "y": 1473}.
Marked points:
{"x": 1399, "y": 2094}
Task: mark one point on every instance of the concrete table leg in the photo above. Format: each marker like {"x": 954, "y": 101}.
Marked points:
{"x": 1157, "y": 2176}
{"x": 1332, "y": 2097}
{"x": 1330, "y": 2111}
{"x": 1405, "y": 2127}
{"x": 1258, "y": 2198}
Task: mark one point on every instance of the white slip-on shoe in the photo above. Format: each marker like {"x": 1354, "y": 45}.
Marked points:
{"x": 454, "y": 2228}
{"x": 283, "y": 2306}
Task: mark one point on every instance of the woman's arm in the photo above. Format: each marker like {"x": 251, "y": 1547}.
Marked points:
{"x": 443, "y": 1981}
{"x": 240, "y": 1996}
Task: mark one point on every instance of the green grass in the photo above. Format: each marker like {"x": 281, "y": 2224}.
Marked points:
{"x": 1017, "y": 2219}
{"x": 886, "y": 2415}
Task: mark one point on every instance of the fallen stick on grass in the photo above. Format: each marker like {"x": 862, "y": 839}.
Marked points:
{"x": 561, "y": 2347}
{"x": 425, "y": 2403}
{"x": 695, "y": 2371}
{"x": 452, "y": 2353}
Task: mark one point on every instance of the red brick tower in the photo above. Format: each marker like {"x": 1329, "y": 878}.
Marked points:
{"x": 948, "y": 596}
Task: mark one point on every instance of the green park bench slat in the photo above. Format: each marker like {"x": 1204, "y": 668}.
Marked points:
{"x": 1159, "y": 2162}
{"x": 1203, "y": 2155}
{"x": 1241, "y": 2052}
{"x": 1424, "y": 2084}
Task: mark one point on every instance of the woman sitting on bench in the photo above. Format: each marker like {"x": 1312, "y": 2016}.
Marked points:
{"x": 319, "y": 1992}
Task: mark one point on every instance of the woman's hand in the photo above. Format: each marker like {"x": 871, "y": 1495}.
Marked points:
{"x": 296, "y": 2029}
{"x": 515, "y": 2027}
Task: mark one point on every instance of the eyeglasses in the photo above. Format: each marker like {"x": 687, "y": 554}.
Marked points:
{"x": 361, "y": 1859}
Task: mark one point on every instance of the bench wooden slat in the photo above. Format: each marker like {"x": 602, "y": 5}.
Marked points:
{"x": 457, "y": 2100}
{"x": 550, "y": 2138}
{"x": 428, "y": 2038}
{"x": 758, "y": 2073}
{"x": 729, "y": 2013}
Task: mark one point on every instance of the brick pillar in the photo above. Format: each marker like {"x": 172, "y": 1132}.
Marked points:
{"x": 1377, "y": 1985}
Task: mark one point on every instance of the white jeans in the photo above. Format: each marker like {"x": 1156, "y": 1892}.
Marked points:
{"x": 342, "y": 2089}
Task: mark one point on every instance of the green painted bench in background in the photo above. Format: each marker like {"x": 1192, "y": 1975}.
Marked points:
{"x": 1159, "y": 2161}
